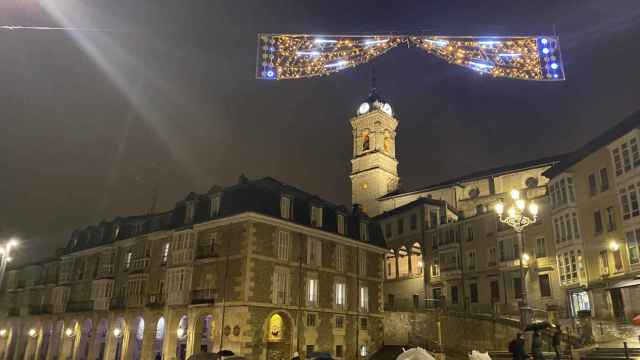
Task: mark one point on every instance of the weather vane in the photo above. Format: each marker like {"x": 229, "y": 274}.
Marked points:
{"x": 289, "y": 56}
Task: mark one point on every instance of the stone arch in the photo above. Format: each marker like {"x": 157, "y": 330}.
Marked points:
{"x": 203, "y": 335}
{"x": 390, "y": 264}
{"x": 135, "y": 338}
{"x": 182, "y": 337}
{"x": 120, "y": 334}
{"x": 86, "y": 336}
{"x": 158, "y": 337}
{"x": 278, "y": 333}
{"x": 70, "y": 338}
{"x": 417, "y": 264}
{"x": 403, "y": 261}
{"x": 101, "y": 338}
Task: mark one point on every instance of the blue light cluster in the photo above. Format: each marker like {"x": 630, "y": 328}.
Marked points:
{"x": 550, "y": 60}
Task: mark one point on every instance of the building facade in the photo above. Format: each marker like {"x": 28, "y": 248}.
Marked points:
{"x": 259, "y": 268}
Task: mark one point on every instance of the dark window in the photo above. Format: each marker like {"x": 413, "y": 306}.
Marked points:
{"x": 364, "y": 323}
{"x": 391, "y": 299}
{"x": 310, "y": 349}
{"x": 414, "y": 222}
{"x": 311, "y": 320}
{"x": 611, "y": 219}
{"x": 339, "y": 322}
{"x": 454, "y": 294}
{"x": 593, "y": 188}
{"x": 339, "y": 352}
{"x": 387, "y": 230}
{"x": 495, "y": 290}
{"x": 545, "y": 287}
{"x": 400, "y": 226}
{"x": 517, "y": 288}
{"x": 604, "y": 179}
{"x": 416, "y": 301}
{"x": 473, "y": 288}
{"x": 437, "y": 293}
{"x": 433, "y": 218}
{"x": 597, "y": 221}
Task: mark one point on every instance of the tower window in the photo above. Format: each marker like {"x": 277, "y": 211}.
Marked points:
{"x": 365, "y": 141}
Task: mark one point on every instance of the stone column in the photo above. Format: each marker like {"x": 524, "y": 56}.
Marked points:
{"x": 409, "y": 256}
{"x": 191, "y": 334}
{"x": 397, "y": 255}
{"x": 170, "y": 337}
{"x": 148, "y": 338}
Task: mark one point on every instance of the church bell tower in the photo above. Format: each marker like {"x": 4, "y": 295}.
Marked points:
{"x": 374, "y": 167}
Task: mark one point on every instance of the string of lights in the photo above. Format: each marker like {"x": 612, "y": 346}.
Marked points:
{"x": 288, "y": 56}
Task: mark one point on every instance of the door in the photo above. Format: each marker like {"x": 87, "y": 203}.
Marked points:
{"x": 616, "y": 302}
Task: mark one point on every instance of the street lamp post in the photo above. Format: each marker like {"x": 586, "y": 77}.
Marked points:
{"x": 5, "y": 256}
{"x": 518, "y": 220}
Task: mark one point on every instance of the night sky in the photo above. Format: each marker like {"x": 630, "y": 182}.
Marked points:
{"x": 166, "y": 96}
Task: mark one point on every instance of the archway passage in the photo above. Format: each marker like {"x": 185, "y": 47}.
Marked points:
{"x": 158, "y": 339}
{"x": 43, "y": 351}
{"x": 85, "y": 339}
{"x": 278, "y": 335}
{"x": 135, "y": 343}
{"x": 204, "y": 334}
{"x": 101, "y": 339}
{"x": 182, "y": 338}
{"x": 390, "y": 264}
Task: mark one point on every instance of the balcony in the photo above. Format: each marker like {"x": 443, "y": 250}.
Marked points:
{"x": 119, "y": 302}
{"x": 40, "y": 309}
{"x": 105, "y": 271}
{"x": 21, "y": 284}
{"x": 544, "y": 263}
{"x": 135, "y": 300}
{"x": 79, "y": 306}
{"x": 14, "y": 311}
{"x": 156, "y": 300}
{"x": 452, "y": 272}
{"x": 205, "y": 251}
{"x": 511, "y": 264}
{"x": 139, "y": 265}
{"x": 203, "y": 296}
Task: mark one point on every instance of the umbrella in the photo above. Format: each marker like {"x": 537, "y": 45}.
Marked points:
{"x": 317, "y": 355}
{"x": 477, "y": 355}
{"x": 636, "y": 320}
{"x": 204, "y": 356}
{"x": 538, "y": 326}
{"x": 416, "y": 353}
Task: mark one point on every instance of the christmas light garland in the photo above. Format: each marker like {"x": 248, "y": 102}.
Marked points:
{"x": 286, "y": 56}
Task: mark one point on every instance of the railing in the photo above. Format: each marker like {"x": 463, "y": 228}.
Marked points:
{"x": 77, "y": 306}
{"x": 544, "y": 262}
{"x": 204, "y": 251}
{"x": 203, "y": 296}
{"x": 154, "y": 300}
{"x": 140, "y": 264}
{"x": 106, "y": 270}
{"x": 119, "y": 302}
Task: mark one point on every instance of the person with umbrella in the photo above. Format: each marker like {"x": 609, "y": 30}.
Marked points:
{"x": 536, "y": 345}
{"x": 516, "y": 348}
{"x": 557, "y": 339}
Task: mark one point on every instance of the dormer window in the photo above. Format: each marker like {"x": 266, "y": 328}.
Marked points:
{"x": 285, "y": 207}
{"x": 215, "y": 206}
{"x": 341, "y": 227}
{"x": 316, "y": 216}
{"x": 364, "y": 233}
{"x": 189, "y": 212}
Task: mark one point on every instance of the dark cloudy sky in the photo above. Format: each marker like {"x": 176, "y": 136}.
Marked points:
{"x": 91, "y": 121}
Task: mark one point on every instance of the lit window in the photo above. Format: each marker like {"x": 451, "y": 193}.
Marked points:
{"x": 165, "y": 253}
{"x": 215, "y": 206}
{"x": 127, "y": 260}
{"x": 316, "y": 216}
{"x": 285, "y": 207}
{"x": 341, "y": 228}
{"x": 633, "y": 238}
{"x": 341, "y": 295}
{"x": 364, "y": 298}
{"x": 364, "y": 232}
{"x": 312, "y": 291}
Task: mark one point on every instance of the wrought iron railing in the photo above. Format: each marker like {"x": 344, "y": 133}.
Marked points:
{"x": 203, "y": 296}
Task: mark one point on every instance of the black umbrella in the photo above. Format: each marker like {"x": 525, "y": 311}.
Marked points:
{"x": 538, "y": 326}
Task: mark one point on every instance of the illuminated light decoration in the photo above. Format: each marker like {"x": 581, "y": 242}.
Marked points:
{"x": 304, "y": 56}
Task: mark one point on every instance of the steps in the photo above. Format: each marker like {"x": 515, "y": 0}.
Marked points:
{"x": 501, "y": 355}
{"x": 611, "y": 354}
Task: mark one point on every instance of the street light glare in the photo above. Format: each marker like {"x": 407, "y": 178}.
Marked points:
{"x": 520, "y": 204}
{"x": 13, "y": 243}
{"x": 515, "y": 194}
{"x": 499, "y": 207}
{"x": 533, "y": 209}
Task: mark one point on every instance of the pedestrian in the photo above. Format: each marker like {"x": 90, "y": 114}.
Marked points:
{"x": 516, "y": 348}
{"x": 536, "y": 346}
{"x": 557, "y": 339}
{"x": 296, "y": 356}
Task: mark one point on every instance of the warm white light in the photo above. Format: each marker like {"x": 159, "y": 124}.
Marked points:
{"x": 13, "y": 243}
{"x": 520, "y": 204}
{"x": 180, "y": 332}
{"x": 69, "y": 332}
{"x": 613, "y": 245}
{"x": 33, "y": 333}
{"x": 499, "y": 207}
{"x": 117, "y": 332}
{"x": 9, "y": 259}
{"x": 364, "y": 107}
{"x": 515, "y": 194}
{"x": 511, "y": 212}
{"x": 3, "y": 332}
{"x": 533, "y": 209}
{"x": 420, "y": 264}
{"x": 525, "y": 257}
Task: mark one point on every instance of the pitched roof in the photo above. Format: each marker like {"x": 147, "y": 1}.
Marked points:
{"x": 502, "y": 170}
{"x": 629, "y": 123}
{"x": 414, "y": 203}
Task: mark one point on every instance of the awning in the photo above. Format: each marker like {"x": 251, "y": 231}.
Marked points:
{"x": 624, "y": 283}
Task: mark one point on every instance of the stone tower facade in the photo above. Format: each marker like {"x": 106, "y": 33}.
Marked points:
{"x": 374, "y": 167}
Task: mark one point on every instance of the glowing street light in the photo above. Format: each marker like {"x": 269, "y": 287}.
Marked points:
{"x": 69, "y": 332}
{"x": 3, "y": 333}
{"x": 180, "y": 332}
{"x": 519, "y": 216}
{"x": 5, "y": 255}
{"x": 33, "y": 333}
{"x": 117, "y": 332}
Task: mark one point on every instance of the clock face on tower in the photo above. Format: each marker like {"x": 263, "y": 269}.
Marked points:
{"x": 364, "y": 108}
{"x": 387, "y": 108}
